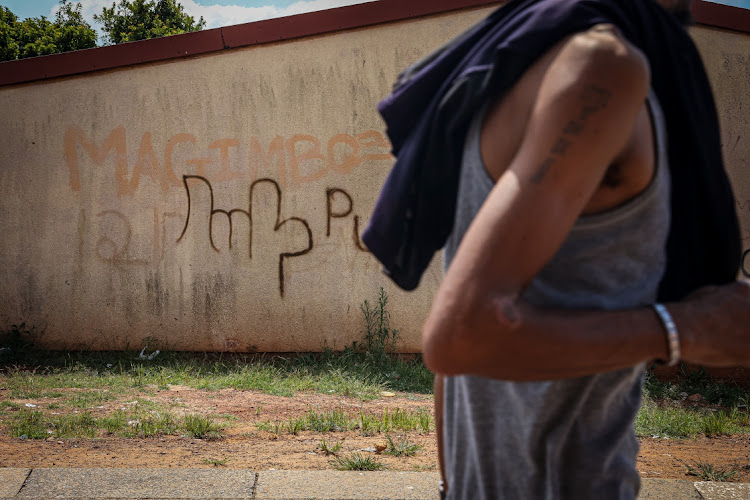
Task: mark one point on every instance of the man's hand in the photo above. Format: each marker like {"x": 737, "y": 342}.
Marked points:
{"x": 714, "y": 325}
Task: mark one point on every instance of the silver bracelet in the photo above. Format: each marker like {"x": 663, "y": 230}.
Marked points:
{"x": 673, "y": 338}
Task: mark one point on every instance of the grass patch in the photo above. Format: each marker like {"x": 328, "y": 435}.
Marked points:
{"x": 667, "y": 410}
{"x": 707, "y": 472}
{"x": 357, "y": 461}
{"x": 141, "y": 423}
{"x": 102, "y": 376}
{"x": 30, "y": 425}
{"x": 338, "y": 421}
{"x": 402, "y": 448}
{"x": 201, "y": 427}
{"x": 329, "y": 449}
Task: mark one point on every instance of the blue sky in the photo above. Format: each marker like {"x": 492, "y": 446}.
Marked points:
{"x": 745, "y": 4}
{"x": 215, "y": 12}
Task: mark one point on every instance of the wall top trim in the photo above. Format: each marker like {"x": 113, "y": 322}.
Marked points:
{"x": 279, "y": 29}
{"x": 229, "y": 37}
{"x": 722, "y": 16}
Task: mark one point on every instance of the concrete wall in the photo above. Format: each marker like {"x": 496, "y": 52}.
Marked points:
{"x": 106, "y": 242}
{"x": 117, "y": 188}
{"x": 726, "y": 55}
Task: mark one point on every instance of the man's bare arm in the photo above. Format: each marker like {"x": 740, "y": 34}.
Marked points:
{"x": 584, "y": 113}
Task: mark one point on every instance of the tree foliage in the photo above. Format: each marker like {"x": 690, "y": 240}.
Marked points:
{"x": 132, "y": 20}
{"x": 38, "y": 36}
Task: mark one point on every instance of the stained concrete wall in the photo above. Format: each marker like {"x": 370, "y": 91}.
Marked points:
{"x": 726, "y": 55}
{"x": 117, "y": 190}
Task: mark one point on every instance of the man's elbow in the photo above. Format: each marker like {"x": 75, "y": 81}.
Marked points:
{"x": 442, "y": 352}
{"x": 456, "y": 344}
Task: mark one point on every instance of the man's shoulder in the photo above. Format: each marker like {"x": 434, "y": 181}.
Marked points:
{"x": 603, "y": 48}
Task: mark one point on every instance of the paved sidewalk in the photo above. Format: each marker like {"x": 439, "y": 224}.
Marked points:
{"x": 299, "y": 485}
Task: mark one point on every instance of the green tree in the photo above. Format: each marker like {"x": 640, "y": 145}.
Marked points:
{"x": 38, "y": 36}
{"x": 8, "y": 35}
{"x": 132, "y": 20}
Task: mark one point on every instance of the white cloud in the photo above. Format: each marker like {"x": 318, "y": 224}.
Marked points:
{"x": 225, "y": 15}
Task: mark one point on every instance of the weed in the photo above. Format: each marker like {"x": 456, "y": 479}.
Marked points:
{"x": 200, "y": 427}
{"x": 423, "y": 468}
{"x": 425, "y": 420}
{"x": 295, "y": 426}
{"x": 147, "y": 424}
{"x": 357, "y": 461}
{"x": 329, "y": 449}
{"x": 268, "y": 426}
{"x": 332, "y": 421}
{"x": 379, "y": 339}
{"x": 707, "y": 472}
{"x": 215, "y": 461}
{"x": 716, "y": 424}
{"x": 401, "y": 449}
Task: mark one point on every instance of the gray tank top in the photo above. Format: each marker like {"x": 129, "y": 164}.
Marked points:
{"x": 571, "y": 438}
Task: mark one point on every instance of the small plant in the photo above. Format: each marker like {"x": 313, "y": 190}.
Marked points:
{"x": 707, "y": 472}
{"x": 215, "y": 461}
{"x": 357, "y": 461}
{"x": 329, "y": 449}
{"x": 295, "y": 426}
{"x": 268, "y": 426}
{"x": 379, "y": 339}
{"x": 425, "y": 421}
{"x": 716, "y": 424}
{"x": 401, "y": 449}
{"x": 200, "y": 427}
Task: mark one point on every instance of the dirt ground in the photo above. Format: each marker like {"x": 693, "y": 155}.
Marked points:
{"x": 243, "y": 446}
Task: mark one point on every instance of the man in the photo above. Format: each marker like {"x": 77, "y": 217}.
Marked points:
{"x": 542, "y": 327}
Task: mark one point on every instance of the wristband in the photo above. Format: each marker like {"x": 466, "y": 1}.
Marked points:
{"x": 673, "y": 338}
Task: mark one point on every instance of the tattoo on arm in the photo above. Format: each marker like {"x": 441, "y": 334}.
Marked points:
{"x": 593, "y": 99}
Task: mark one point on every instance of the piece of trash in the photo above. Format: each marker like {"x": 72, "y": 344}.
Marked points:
{"x": 29, "y": 405}
{"x": 387, "y": 394}
{"x": 109, "y": 365}
{"x": 148, "y": 357}
{"x": 23, "y": 436}
{"x": 371, "y": 449}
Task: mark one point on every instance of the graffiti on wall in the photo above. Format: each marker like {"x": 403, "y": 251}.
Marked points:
{"x": 295, "y": 161}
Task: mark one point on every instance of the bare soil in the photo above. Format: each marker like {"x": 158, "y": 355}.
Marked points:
{"x": 243, "y": 446}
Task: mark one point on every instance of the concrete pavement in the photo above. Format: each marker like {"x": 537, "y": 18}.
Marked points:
{"x": 228, "y": 484}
